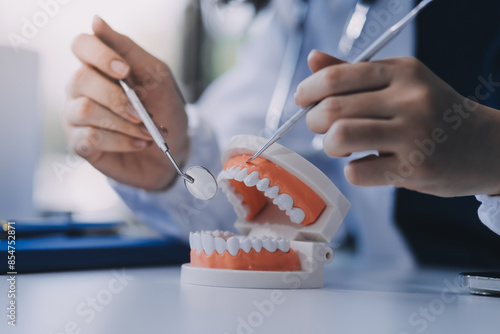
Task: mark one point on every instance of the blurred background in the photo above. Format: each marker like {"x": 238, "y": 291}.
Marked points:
{"x": 36, "y": 63}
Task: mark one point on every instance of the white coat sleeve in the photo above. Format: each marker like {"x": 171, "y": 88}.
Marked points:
{"x": 175, "y": 212}
{"x": 236, "y": 103}
{"x": 489, "y": 212}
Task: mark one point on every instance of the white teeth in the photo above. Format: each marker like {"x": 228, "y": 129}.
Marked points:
{"x": 222, "y": 176}
{"x": 221, "y": 241}
{"x": 223, "y": 183}
{"x": 241, "y": 175}
{"x": 233, "y": 245}
{"x": 252, "y": 179}
{"x": 233, "y": 171}
{"x": 220, "y": 245}
{"x": 208, "y": 243}
{"x": 232, "y": 198}
{"x": 195, "y": 241}
{"x": 296, "y": 215}
{"x": 240, "y": 197}
{"x": 257, "y": 244}
{"x": 263, "y": 184}
{"x": 246, "y": 245}
{"x": 283, "y": 245}
{"x": 269, "y": 244}
{"x": 242, "y": 210}
{"x": 272, "y": 192}
{"x": 284, "y": 202}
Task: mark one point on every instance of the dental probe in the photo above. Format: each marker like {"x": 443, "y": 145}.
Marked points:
{"x": 366, "y": 55}
{"x": 203, "y": 185}
{"x": 153, "y": 130}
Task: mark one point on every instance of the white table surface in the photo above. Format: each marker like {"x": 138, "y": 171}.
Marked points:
{"x": 153, "y": 300}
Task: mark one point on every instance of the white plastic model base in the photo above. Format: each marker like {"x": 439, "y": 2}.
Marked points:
{"x": 313, "y": 256}
{"x": 307, "y": 241}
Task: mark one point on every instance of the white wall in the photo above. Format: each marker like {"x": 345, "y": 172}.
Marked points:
{"x": 154, "y": 24}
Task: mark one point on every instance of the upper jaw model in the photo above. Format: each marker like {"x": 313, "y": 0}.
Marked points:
{"x": 286, "y": 209}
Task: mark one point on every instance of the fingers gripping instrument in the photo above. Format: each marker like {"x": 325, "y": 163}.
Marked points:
{"x": 198, "y": 180}
{"x": 366, "y": 55}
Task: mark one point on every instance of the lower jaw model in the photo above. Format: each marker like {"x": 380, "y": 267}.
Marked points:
{"x": 226, "y": 251}
{"x": 286, "y": 209}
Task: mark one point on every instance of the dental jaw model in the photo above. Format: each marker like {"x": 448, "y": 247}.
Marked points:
{"x": 287, "y": 209}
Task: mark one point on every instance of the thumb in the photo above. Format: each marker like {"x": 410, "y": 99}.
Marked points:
{"x": 136, "y": 56}
{"x": 318, "y": 60}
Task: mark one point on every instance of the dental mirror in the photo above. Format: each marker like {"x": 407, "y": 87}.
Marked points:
{"x": 204, "y": 186}
{"x": 198, "y": 180}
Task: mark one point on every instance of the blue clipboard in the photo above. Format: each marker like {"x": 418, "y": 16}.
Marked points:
{"x": 63, "y": 252}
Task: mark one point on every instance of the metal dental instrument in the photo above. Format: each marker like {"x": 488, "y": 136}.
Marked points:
{"x": 366, "y": 55}
{"x": 198, "y": 180}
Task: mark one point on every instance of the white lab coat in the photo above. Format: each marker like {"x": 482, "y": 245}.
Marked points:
{"x": 237, "y": 103}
